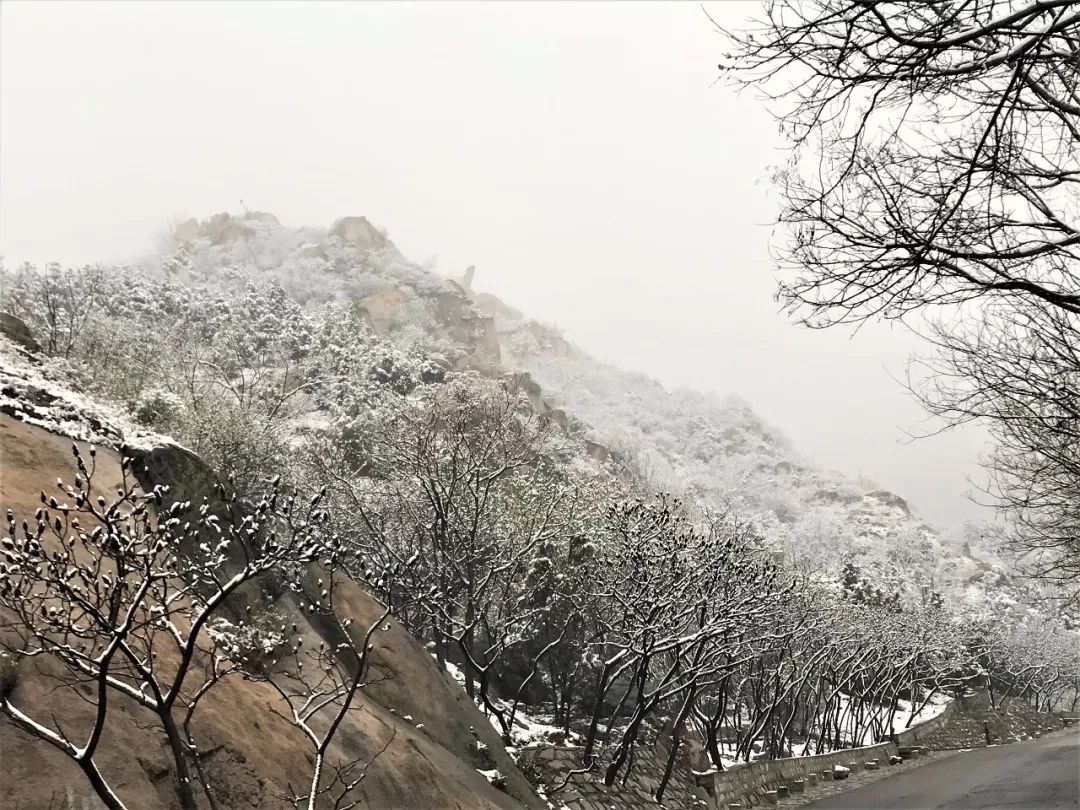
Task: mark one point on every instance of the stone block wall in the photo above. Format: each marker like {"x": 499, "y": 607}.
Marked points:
{"x": 919, "y": 733}
{"x": 745, "y": 782}
{"x": 1012, "y": 720}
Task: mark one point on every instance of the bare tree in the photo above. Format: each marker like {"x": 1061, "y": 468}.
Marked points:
{"x": 671, "y": 600}
{"x": 936, "y": 171}
{"x": 1019, "y": 372}
{"x": 119, "y": 594}
{"x": 58, "y": 302}
{"x": 320, "y": 686}
{"x": 434, "y": 480}
{"x": 937, "y": 150}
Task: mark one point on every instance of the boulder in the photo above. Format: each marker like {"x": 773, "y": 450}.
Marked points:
{"x": 186, "y": 232}
{"x": 493, "y": 306}
{"x": 262, "y": 216}
{"x": 596, "y": 451}
{"x": 360, "y": 233}
{"x": 224, "y": 229}
{"x": 523, "y": 381}
{"x": 382, "y": 308}
{"x": 890, "y": 499}
{"x": 16, "y": 330}
{"x": 558, "y": 416}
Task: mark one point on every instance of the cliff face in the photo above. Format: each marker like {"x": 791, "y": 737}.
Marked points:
{"x": 414, "y": 723}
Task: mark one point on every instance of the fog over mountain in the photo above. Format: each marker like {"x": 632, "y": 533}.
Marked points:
{"x": 594, "y": 173}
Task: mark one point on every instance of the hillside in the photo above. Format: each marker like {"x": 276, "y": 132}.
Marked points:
{"x": 414, "y": 724}
{"x": 719, "y": 452}
{"x": 570, "y": 555}
{"x": 716, "y": 450}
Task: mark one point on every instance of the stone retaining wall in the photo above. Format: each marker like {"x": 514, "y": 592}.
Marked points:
{"x": 746, "y": 782}
{"x": 920, "y": 732}
{"x": 1012, "y": 720}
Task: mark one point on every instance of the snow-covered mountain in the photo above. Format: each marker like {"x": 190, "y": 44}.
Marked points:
{"x": 716, "y": 450}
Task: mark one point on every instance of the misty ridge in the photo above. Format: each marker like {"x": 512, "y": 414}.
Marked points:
{"x": 296, "y": 520}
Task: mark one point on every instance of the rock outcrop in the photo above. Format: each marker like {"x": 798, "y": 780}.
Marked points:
{"x": 890, "y": 499}
{"x": 16, "y": 330}
{"x": 359, "y": 233}
{"x": 465, "y": 324}
{"x": 418, "y": 727}
{"x": 223, "y": 228}
{"x": 381, "y": 309}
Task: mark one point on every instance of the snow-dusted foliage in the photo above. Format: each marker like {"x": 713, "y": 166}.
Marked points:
{"x": 232, "y": 372}
{"x": 720, "y": 453}
{"x": 638, "y": 564}
{"x": 314, "y": 265}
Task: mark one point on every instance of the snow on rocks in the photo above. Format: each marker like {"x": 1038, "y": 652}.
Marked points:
{"x": 494, "y": 776}
{"x": 42, "y": 392}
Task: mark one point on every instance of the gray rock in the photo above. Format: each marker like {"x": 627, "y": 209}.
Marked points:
{"x": 16, "y": 330}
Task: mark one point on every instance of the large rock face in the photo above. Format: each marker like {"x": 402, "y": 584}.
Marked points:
{"x": 16, "y": 330}
{"x": 465, "y": 324}
{"x": 359, "y": 233}
{"x": 383, "y": 308}
{"x": 430, "y": 759}
{"x": 223, "y": 228}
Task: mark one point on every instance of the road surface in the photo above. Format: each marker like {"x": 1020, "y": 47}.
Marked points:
{"x": 1041, "y": 775}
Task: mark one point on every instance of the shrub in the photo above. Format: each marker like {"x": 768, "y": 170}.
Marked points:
{"x": 158, "y": 409}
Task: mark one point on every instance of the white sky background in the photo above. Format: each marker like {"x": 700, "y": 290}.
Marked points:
{"x": 578, "y": 154}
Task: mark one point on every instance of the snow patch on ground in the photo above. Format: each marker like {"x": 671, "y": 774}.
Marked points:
{"x": 40, "y": 392}
{"x": 528, "y": 730}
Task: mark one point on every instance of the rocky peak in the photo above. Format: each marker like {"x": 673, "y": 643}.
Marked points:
{"x": 222, "y": 228}
{"x": 360, "y": 233}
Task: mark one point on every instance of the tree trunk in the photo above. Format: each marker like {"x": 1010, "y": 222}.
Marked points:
{"x": 184, "y": 782}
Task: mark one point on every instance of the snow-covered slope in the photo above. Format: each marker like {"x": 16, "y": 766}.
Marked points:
{"x": 719, "y": 451}
{"x": 714, "y": 449}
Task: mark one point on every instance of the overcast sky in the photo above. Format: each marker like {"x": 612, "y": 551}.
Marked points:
{"x": 579, "y": 155}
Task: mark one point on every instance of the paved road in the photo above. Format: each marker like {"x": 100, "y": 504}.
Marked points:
{"x": 1041, "y": 775}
